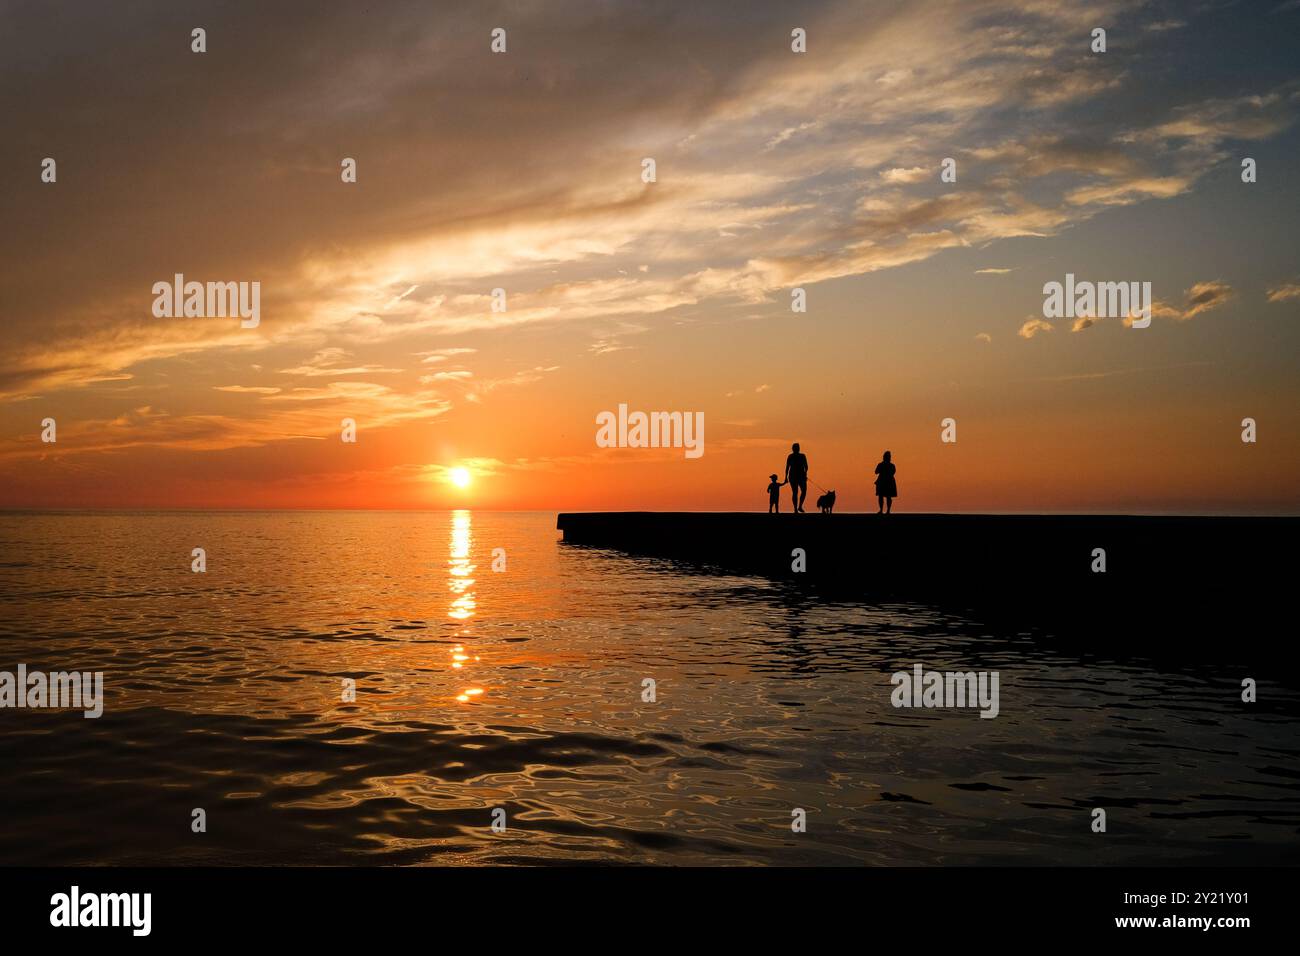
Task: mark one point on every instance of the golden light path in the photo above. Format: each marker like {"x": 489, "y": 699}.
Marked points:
{"x": 460, "y": 582}
{"x": 460, "y": 569}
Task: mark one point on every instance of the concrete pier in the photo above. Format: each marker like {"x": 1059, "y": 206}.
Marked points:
{"x": 1161, "y": 570}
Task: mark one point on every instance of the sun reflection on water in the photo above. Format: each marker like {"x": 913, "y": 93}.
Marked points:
{"x": 460, "y": 569}
{"x": 460, "y": 582}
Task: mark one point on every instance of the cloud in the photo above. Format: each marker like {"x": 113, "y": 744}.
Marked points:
{"x": 441, "y": 355}
{"x": 1092, "y": 376}
{"x": 323, "y": 365}
{"x": 453, "y": 375}
{"x": 894, "y": 77}
{"x": 913, "y": 175}
{"x": 992, "y": 272}
{"x": 1200, "y": 297}
{"x": 1159, "y": 310}
{"x": 788, "y": 133}
{"x": 1204, "y": 125}
{"x": 1283, "y": 292}
{"x": 415, "y": 261}
{"x": 524, "y": 377}
{"x": 1204, "y": 296}
{"x": 1033, "y": 326}
{"x": 399, "y": 298}
{"x": 304, "y": 413}
{"x": 983, "y": 337}
{"x": 251, "y": 389}
{"x": 1127, "y": 191}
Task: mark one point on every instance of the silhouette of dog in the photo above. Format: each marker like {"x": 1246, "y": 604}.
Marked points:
{"x": 827, "y": 502}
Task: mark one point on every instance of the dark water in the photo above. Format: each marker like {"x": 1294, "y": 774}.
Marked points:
{"x": 223, "y": 692}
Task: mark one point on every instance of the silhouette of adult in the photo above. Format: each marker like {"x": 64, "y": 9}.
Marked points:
{"x": 796, "y": 473}
{"x": 886, "y": 487}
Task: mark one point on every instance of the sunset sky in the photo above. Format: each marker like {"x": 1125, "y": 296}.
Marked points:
{"x": 775, "y": 170}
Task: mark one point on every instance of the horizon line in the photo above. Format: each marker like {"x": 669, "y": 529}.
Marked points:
{"x": 5, "y": 510}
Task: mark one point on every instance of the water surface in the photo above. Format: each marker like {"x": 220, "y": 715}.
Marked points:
{"x": 522, "y": 690}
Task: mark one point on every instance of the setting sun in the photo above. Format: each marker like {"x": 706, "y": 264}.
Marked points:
{"x": 459, "y": 477}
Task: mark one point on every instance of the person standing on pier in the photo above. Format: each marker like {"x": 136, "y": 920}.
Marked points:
{"x": 886, "y": 487}
{"x": 774, "y": 496}
{"x": 796, "y": 475}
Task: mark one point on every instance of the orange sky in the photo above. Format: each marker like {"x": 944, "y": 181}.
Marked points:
{"x": 775, "y": 171}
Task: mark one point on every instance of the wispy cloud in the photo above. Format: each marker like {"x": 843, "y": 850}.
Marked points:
{"x": 1033, "y": 326}
{"x": 325, "y": 364}
{"x": 1283, "y": 292}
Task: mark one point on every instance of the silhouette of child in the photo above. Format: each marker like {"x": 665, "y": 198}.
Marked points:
{"x": 774, "y": 496}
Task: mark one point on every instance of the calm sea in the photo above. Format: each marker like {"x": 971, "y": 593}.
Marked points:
{"x": 522, "y": 690}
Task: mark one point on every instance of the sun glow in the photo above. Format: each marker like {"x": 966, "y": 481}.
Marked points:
{"x": 459, "y": 477}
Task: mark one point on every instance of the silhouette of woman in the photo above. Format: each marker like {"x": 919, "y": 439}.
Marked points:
{"x": 886, "y": 487}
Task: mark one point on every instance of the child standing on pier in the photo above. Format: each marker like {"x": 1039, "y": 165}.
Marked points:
{"x": 774, "y": 496}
